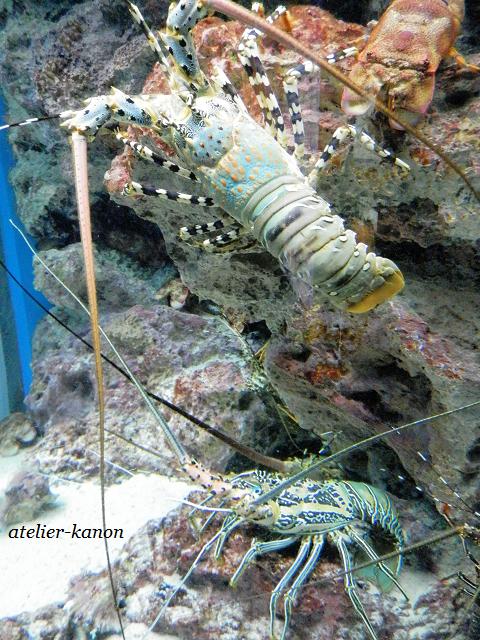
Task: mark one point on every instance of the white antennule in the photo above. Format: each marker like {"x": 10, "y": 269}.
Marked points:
{"x": 177, "y": 447}
{"x": 198, "y": 507}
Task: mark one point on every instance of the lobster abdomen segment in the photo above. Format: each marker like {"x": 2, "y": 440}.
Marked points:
{"x": 251, "y": 177}
{"x": 297, "y": 227}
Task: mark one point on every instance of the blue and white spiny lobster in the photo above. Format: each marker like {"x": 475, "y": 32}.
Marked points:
{"x": 241, "y": 167}
{"x": 301, "y": 510}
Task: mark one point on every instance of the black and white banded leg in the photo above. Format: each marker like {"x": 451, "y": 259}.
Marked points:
{"x": 189, "y": 233}
{"x": 155, "y": 44}
{"x": 290, "y": 87}
{"x": 341, "y": 134}
{"x": 136, "y": 189}
{"x": 250, "y": 60}
{"x": 341, "y": 54}
{"x": 227, "y": 239}
{"x": 220, "y": 78}
{"x": 150, "y": 155}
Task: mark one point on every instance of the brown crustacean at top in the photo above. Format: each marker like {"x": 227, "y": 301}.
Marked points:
{"x": 402, "y": 55}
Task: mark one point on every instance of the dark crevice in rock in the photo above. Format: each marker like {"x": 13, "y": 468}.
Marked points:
{"x": 456, "y": 263}
{"x": 473, "y": 454}
{"x": 119, "y": 228}
{"x": 459, "y": 98}
{"x": 373, "y": 401}
{"x": 256, "y": 334}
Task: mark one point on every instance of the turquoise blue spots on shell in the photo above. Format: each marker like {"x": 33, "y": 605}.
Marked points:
{"x": 252, "y": 161}
{"x": 210, "y": 144}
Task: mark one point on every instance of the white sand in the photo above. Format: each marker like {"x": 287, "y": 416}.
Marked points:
{"x": 36, "y": 572}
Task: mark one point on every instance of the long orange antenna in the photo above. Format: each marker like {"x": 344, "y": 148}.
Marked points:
{"x": 80, "y": 167}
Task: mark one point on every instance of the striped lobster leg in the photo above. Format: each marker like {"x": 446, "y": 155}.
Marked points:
{"x": 228, "y": 238}
{"x": 350, "y": 131}
{"x": 157, "y": 46}
{"x": 226, "y": 241}
{"x": 187, "y": 233}
{"x": 136, "y": 189}
{"x": 145, "y": 153}
{"x": 290, "y": 87}
{"x": 233, "y": 232}
{"x": 250, "y": 60}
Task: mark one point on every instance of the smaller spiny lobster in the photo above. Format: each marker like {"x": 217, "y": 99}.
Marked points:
{"x": 304, "y": 512}
{"x": 308, "y": 513}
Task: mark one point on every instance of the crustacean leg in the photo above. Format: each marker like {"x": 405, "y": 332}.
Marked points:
{"x": 317, "y": 542}
{"x": 145, "y": 153}
{"x": 350, "y": 131}
{"x": 302, "y": 554}
{"x": 260, "y": 548}
{"x": 249, "y": 57}
{"x": 341, "y": 541}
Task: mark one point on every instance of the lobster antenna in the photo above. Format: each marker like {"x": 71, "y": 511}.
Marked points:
{"x": 176, "y": 446}
{"x": 247, "y": 17}
{"x": 248, "y": 452}
{"x": 80, "y": 168}
{"x": 359, "y": 445}
{"x": 22, "y": 123}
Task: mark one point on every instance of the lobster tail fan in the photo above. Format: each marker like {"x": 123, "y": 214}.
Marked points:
{"x": 384, "y": 575}
{"x": 370, "y": 78}
{"x": 416, "y": 96}
{"x": 389, "y": 287}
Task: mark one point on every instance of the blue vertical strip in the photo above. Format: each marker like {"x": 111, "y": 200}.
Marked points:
{"x": 19, "y": 260}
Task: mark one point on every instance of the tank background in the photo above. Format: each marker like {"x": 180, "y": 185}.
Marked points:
{"x": 415, "y": 356}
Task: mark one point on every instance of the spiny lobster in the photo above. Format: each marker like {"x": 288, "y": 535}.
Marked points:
{"x": 305, "y": 511}
{"x": 241, "y": 167}
{"x": 373, "y": 503}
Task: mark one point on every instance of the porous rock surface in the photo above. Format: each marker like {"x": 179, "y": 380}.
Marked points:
{"x": 355, "y": 376}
